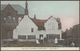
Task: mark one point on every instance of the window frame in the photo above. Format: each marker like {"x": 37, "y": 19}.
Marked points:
{"x": 32, "y": 29}
{"x": 29, "y": 37}
{"x": 19, "y": 37}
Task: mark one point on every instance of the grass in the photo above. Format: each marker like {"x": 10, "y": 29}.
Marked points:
{"x": 29, "y": 44}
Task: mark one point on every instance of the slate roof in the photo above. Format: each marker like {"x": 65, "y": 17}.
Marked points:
{"x": 40, "y": 23}
{"x": 18, "y": 8}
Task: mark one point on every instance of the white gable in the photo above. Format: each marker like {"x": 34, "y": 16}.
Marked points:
{"x": 52, "y": 26}
{"x": 24, "y": 27}
{"x": 26, "y": 24}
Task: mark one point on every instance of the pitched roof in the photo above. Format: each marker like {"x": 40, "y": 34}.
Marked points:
{"x": 18, "y": 8}
{"x": 39, "y": 22}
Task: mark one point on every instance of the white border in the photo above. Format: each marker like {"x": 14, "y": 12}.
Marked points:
{"x": 39, "y": 48}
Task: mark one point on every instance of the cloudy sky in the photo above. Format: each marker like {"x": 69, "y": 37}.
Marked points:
{"x": 67, "y": 11}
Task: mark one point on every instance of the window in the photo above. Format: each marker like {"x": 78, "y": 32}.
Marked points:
{"x": 21, "y": 36}
{"x": 4, "y": 18}
{"x": 13, "y": 18}
{"x": 50, "y": 36}
{"x": 41, "y": 28}
{"x": 31, "y": 37}
{"x": 41, "y": 35}
{"x": 32, "y": 29}
{"x": 9, "y": 17}
{"x": 59, "y": 25}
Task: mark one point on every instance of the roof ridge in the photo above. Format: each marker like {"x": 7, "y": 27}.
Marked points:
{"x": 12, "y": 5}
{"x": 17, "y": 7}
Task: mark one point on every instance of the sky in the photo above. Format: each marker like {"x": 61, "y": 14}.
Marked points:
{"x": 67, "y": 11}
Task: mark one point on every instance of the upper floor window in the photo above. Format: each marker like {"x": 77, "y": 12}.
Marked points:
{"x": 41, "y": 35}
{"x": 32, "y": 30}
{"x": 4, "y": 18}
{"x": 9, "y": 17}
{"x": 13, "y": 18}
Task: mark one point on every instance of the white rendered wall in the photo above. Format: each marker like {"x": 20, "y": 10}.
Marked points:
{"x": 24, "y": 28}
{"x": 52, "y": 27}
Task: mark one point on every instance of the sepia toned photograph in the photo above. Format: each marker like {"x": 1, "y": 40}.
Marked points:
{"x": 40, "y": 24}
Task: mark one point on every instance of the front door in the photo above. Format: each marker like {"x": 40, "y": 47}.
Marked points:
{"x": 41, "y": 37}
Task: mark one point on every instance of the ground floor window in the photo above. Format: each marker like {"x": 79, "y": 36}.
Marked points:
{"x": 41, "y": 35}
{"x": 31, "y": 37}
{"x": 52, "y": 36}
{"x": 21, "y": 36}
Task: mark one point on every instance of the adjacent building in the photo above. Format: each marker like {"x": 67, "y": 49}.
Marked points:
{"x": 10, "y": 15}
